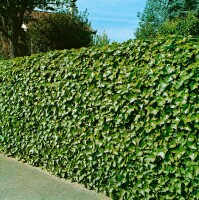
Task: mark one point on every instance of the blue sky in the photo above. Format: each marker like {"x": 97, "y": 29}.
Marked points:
{"x": 118, "y": 18}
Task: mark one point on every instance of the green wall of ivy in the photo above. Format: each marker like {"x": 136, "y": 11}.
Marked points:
{"x": 123, "y": 119}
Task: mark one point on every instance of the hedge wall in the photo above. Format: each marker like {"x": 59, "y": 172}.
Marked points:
{"x": 123, "y": 119}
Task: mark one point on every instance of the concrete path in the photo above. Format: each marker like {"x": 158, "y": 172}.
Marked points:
{"x": 19, "y": 181}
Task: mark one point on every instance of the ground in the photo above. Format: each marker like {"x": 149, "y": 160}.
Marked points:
{"x": 19, "y": 181}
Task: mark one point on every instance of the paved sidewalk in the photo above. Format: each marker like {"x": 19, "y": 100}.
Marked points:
{"x": 19, "y": 181}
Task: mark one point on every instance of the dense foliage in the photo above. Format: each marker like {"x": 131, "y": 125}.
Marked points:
{"x": 60, "y": 31}
{"x": 13, "y": 13}
{"x": 168, "y": 16}
{"x": 179, "y": 8}
{"x": 123, "y": 119}
{"x": 189, "y": 25}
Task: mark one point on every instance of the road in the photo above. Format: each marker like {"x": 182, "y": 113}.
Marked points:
{"x": 19, "y": 181}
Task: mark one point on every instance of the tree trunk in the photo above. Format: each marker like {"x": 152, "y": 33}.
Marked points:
{"x": 13, "y": 48}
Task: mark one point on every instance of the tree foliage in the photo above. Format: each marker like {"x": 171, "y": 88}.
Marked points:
{"x": 60, "y": 31}
{"x": 167, "y": 14}
{"x": 101, "y": 39}
{"x": 179, "y": 8}
{"x": 14, "y": 12}
{"x": 151, "y": 18}
{"x": 188, "y": 25}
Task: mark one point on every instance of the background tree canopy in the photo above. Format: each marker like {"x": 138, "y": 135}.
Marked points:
{"x": 168, "y": 17}
{"x": 101, "y": 39}
{"x": 60, "y": 31}
{"x": 14, "y": 12}
{"x": 58, "y": 25}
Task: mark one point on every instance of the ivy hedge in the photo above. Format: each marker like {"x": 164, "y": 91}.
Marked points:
{"x": 123, "y": 119}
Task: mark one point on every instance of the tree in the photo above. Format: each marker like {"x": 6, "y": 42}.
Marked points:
{"x": 188, "y": 25}
{"x": 151, "y": 18}
{"x": 60, "y": 31}
{"x": 179, "y": 8}
{"x": 158, "y": 12}
{"x": 14, "y": 12}
{"x": 101, "y": 39}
